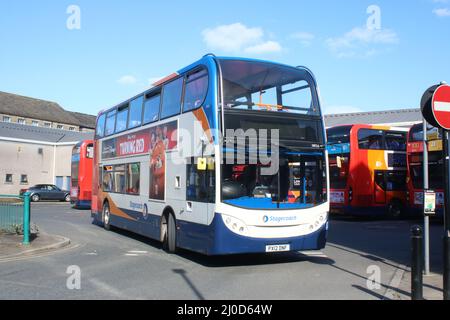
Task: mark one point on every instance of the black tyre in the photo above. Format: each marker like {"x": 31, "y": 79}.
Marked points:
{"x": 395, "y": 210}
{"x": 67, "y": 198}
{"x": 170, "y": 239}
{"x": 106, "y": 216}
{"x": 35, "y": 198}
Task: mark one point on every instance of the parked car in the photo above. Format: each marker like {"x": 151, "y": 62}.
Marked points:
{"x": 47, "y": 192}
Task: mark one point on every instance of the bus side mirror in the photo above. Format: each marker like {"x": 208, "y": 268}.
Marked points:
{"x": 339, "y": 162}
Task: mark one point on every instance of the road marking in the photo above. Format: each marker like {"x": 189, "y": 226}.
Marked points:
{"x": 391, "y": 294}
{"x": 136, "y": 253}
{"x": 104, "y": 287}
{"x": 318, "y": 254}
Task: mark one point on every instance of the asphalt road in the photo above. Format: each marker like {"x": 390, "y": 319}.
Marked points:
{"x": 119, "y": 265}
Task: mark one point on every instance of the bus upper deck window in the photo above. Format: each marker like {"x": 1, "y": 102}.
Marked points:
{"x": 110, "y": 123}
{"x": 122, "y": 119}
{"x": 151, "y": 108}
{"x": 135, "y": 117}
{"x": 101, "y": 126}
{"x": 171, "y": 104}
{"x": 196, "y": 89}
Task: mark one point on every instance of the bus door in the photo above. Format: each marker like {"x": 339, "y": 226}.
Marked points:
{"x": 380, "y": 187}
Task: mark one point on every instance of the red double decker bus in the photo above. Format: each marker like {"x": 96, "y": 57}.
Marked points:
{"x": 415, "y": 166}
{"x": 367, "y": 169}
{"x": 81, "y": 180}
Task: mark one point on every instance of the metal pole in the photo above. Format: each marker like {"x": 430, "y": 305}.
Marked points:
{"x": 426, "y": 185}
{"x": 416, "y": 263}
{"x": 26, "y": 219}
{"x": 446, "y": 142}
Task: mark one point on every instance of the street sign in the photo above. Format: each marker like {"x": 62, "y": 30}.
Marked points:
{"x": 441, "y": 106}
{"x": 435, "y": 106}
{"x": 430, "y": 202}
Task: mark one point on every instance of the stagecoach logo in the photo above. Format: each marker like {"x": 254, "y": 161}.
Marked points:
{"x": 267, "y": 219}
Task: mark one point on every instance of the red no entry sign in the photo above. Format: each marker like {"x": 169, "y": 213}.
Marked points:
{"x": 441, "y": 106}
{"x": 435, "y": 106}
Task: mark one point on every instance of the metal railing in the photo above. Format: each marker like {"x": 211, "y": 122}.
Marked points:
{"x": 15, "y": 215}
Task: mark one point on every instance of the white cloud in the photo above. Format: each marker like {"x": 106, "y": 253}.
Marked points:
{"x": 361, "y": 42}
{"x": 305, "y": 38}
{"x": 442, "y": 12}
{"x": 127, "y": 80}
{"x": 266, "y": 47}
{"x": 328, "y": 110}
{"x": 237, "y": 37}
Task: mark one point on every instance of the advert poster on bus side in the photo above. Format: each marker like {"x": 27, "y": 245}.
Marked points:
{"x": 141, "y": 142}
{"x": 155, "y": 141}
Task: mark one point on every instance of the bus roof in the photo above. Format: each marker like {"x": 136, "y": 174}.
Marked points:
{"x": 370, "y": 126}
{"x": 207, "y": 59}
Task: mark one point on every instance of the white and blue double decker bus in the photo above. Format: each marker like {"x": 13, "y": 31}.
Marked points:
{"x": 225, "y": 156}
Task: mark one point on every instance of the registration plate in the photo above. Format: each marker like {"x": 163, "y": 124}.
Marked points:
{"x": 278, "y": 248}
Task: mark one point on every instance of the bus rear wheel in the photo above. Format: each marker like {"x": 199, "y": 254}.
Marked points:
{"x": 170, "y": 237}
{"x": 106, "y": 216}
{"x": 395, "y": 209}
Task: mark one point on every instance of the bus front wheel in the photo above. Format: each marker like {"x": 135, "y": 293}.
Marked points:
{"x": 170, "y": 237}
{"x": 106, "y": 217}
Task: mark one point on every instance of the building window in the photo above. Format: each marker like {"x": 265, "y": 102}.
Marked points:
{"x": 35, "y": 123}
{"x": 6, "y": 119}
{"x": 59, "y": 127}
{"x": 71, "y": 128}
{"x": 9, "y": 178}
{"x": 24, "y": 179}
{"x": 47, "y": 124}
{"x": 21, "y": 121}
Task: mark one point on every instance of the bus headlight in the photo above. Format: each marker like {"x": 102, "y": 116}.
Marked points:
{"x": 235, "y": 225}
{"x": 319, "y": 222}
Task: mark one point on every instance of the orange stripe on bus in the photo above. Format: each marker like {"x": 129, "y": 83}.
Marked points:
{"x": 201, "y": 117}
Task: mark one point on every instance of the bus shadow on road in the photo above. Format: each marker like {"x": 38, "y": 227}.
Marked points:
{"x": 252, "y": 259}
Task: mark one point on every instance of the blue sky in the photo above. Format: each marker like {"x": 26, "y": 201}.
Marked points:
{"x": 122, "y": 46}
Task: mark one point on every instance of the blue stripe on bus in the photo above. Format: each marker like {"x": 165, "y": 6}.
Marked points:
{"x": 338, "y": 148}
{"x": 265, "y": 203}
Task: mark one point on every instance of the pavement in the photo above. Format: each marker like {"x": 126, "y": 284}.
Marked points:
{"x": 432, "y": 287}
{"x": 11, "y": 247}
{"x": 120, "y": 265}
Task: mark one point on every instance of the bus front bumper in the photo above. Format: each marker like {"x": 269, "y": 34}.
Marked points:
{"x": 224, "y": 241}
